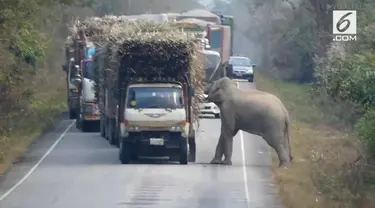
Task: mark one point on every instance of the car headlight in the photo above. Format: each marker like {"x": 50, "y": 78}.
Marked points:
{"x": 250, "y": 71}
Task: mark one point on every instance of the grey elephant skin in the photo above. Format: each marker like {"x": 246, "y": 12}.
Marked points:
{"x": 252, "y": 111}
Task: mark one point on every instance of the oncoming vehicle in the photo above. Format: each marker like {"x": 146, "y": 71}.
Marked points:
{"x": 242, "y": 68}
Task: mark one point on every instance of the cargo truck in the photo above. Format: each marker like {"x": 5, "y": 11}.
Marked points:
{"x": 152, "y": 109}
{"x": 107, "y": 103}
{"x": 81, "y": 52}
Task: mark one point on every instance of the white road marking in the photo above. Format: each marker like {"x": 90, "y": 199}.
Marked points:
{"x": 244, "y": 170}
{"x": 38, "y": 163}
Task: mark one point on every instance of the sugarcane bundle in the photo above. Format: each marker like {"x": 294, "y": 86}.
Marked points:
{"x": 146, "y": 47}
{"x": 154, "y": 49}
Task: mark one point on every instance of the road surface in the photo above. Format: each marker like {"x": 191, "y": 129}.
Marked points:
{"x": 82, "y": 170}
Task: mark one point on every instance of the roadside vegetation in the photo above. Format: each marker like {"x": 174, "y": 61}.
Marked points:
{"x": 32, "y": 83}
{"x": 328, "y": 89}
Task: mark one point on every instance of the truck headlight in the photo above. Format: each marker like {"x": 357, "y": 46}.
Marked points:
{"x": 133, "y": 128}
{"x": 176, "y": 128}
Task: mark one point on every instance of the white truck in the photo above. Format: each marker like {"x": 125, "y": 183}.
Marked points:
{"x": 107, "y": 105}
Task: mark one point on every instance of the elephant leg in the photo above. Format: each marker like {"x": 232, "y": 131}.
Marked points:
{"x": 219, "y": 151}
{"x": 277, "y": 143}
{"x": 228, "y": 151}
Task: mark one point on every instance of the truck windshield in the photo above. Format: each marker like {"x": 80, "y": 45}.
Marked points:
{"x": 88, "y": 70}
{"x": 240, "y": 61}
{"x": 155, "y": 97}
{"x": 211, "y": 63}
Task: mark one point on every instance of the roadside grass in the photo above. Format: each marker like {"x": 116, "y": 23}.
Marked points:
{"x": 48, "y": 102}
{"x": 328, "y": 168}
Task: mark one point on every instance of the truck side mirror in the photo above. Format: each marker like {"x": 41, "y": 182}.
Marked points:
{"x": 64, "y": 68}
{"x": 229, "y": 70}
{"x": 254, "y": 65}
{"x": 77, "y": 81}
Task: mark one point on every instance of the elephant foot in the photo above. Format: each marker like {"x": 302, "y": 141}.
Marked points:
{"x": 283, "y": 164}
{"x": 226, "y": 162}
{"x": 216, "y": 161}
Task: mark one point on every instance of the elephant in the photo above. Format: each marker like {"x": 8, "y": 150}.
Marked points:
{"x": 252, "y": 111}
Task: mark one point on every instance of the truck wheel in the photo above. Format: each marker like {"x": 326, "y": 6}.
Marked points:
{"x": 192, "y": 149}
{"x": 72, "y": 114}
{"x": 125, "y": 153}
{"x": 102, "y": 127}
{"x": 78, "y": 122}
{"x": 217, "y": 115}
{"x": 107, "y": 128}
{"x": 111, "y": 133}
{"x": 184, "y": 151}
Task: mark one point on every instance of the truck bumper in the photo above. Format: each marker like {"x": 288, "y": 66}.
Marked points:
{"x": 142, "y": 144}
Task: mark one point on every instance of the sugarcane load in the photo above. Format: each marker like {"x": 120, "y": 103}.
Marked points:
{"x": 148, "y": 74}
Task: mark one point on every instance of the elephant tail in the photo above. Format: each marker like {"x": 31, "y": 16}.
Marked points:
{"x": 286, "y": 135}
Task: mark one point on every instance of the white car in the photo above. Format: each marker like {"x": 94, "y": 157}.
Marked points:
{"x": 209, "y": 108}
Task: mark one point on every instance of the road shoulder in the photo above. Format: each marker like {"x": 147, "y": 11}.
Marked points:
{"x": 24, "y": 164}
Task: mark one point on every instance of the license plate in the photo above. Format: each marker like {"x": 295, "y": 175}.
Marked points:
{"x": 157, "y": 141}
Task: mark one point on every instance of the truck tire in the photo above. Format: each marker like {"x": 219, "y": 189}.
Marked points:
{"x": 111, "y": 133}
{"x": 184, "y": 151}
{"x": 117, "y": 134}
{"x": 106, "y": 124}
{"x": 78, "y": 122}
{"x": 102, "y": 126}
{"x": 192, "y": 149}
{"x": 125, "y": 153}
{"x": 72, "y": 114}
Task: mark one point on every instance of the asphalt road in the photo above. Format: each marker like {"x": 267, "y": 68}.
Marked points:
{"x": 70, "y": 169}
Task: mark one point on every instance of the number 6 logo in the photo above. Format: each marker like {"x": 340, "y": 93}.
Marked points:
{"x": 344, "y": 22}
{"x": 341, "y": 21}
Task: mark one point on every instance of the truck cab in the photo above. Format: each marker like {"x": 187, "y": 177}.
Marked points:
{"x": 155, "y": 121}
